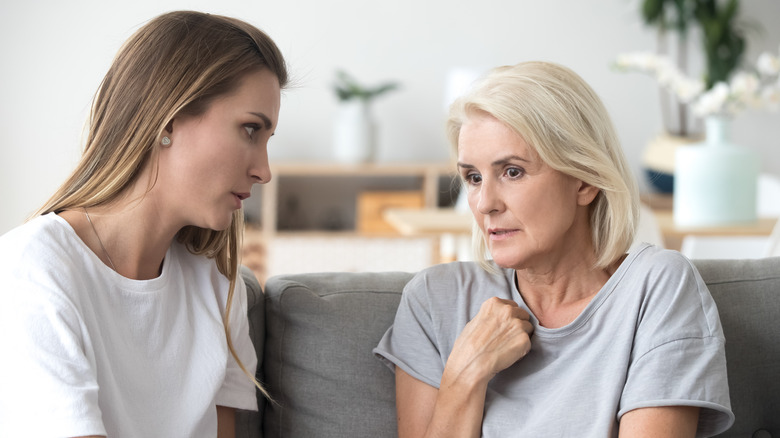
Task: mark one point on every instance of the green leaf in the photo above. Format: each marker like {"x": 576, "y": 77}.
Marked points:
{"x": 652, "y": 11}
{"x": 347, "y": 87}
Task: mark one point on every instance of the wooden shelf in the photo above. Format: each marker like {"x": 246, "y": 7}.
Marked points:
{"x": 266, "y": 246}
{"x": 429, "y": 221}
{"x": 662, "y": 206}
{"x": 673, "y": 235}
{"x": 429, "y": 174}
{"x": 370, "y": 169}
{"x": 341, "y": 234}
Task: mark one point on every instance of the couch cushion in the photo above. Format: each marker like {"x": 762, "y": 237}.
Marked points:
{"x": 747, "y": 293}
{"x": 318, "y": 364}
{"x": 249, "y": 423}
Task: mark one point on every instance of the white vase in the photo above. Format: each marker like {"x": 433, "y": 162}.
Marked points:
{"x": 715, "y": 182}
{"x": 659, "y": 156}
{"x": 354, "y": 132}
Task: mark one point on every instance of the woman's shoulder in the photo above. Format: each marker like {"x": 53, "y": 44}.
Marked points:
{"x": 445, "y": 280}
{"x": 650, "y": 260}
{"x": 665, "y": 278}
{"x": 462, "y": 271}
{"x": 29, "y": 229}
{"x": 40, "y": 261}
{"x": 43, "y": 239}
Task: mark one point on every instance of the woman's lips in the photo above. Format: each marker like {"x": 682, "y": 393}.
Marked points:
{"x": 239, "y": 197}
{"x": 497, "y": 234}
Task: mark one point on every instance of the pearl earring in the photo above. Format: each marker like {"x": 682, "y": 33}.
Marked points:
{"x": 166, "y": 141}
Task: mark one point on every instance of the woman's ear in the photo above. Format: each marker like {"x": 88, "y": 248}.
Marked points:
{"x": 165, "y": 141}
{"x": 586, "y": 193}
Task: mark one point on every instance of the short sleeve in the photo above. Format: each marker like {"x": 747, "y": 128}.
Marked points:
{"x": 238, "y": 391}
{"x": 678, "y": 357}
{"x": 411, "y": 342}
{"x": 47, "y": 372}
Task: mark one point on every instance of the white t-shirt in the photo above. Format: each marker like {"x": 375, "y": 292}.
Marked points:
{"x": 650, "y": 337}
{"x": 89, "y": 352}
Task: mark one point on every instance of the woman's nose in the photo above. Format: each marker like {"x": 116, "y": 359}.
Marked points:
{"x": 261, "y": 171}
{"x": 488, "y": 199}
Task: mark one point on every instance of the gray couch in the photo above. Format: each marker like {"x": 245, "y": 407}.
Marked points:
{"x": 314, "y": 334}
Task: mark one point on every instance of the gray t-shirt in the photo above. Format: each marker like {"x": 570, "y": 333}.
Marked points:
{"x": 650, "y": 337}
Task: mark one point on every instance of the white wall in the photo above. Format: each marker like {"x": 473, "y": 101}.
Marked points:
{"x": 54, "y": 54}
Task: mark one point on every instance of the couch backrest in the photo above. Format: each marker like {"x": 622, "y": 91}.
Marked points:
{"x": 250, "y": 424}
{"x": 320, "y": 330}
{"x": 747, "y": 293}
{"x": 315, "y": 349}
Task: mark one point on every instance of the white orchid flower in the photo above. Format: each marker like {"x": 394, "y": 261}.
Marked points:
{"x": 771, "y": 97}
{"x": 768, "y": 64}
{"x": 745, "y": 89}
{"x": 713, "y": 101}
{"x": 688, "y": 89}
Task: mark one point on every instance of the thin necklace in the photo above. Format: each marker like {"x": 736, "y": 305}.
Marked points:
{"x": 98, "y": 238}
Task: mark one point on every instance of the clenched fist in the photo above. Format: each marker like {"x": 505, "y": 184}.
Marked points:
{"x": 498, "y": 336}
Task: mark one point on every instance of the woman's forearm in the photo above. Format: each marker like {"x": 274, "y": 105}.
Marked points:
{"x": 453, "y": 410}
{"x": 460, "y": 406}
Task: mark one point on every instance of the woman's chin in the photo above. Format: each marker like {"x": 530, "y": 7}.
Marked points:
{"x": 506, "y": 260}
{"x": 218, "y": 224}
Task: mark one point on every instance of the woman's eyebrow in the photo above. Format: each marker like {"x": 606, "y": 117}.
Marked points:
{"x": 266, "y": 120}
{"x": 497, "y": 163}
{"x": 508, "y": 159}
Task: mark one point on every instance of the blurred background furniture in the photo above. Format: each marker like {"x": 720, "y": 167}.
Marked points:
{"x": 328, "y": 217}
{"x": 323, "y": 197}
{"x": 314, "y": 335}
{"x": 761, "y": 240}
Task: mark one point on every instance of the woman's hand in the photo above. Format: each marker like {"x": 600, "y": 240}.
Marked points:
{"x": 498, "y": 336}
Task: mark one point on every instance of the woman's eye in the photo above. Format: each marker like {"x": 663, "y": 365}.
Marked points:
{"x": 514, "y": 172}
{"x": 473, "y": 178}
{"x": 250, "y": 130}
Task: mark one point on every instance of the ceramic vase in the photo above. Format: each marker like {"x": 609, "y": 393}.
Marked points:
{"x": 658, "y": 159}
{"x": 354, "y": 132}
{"x": 715, "y": 182}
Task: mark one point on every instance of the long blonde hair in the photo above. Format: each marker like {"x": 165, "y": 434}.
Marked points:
{"x": 560, "y": 116}
{"x": 176, "y": 64}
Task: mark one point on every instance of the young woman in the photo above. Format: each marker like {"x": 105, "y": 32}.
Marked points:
{"x": 562, "y": 333}
{"x": 122, "y": 312}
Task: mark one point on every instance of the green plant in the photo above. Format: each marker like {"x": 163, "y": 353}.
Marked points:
{"x": 347, "y": 88}
{"x": 723, "y": 41}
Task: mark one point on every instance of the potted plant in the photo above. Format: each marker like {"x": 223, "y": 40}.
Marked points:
{"x": 715, "y": 181}
{"x": 723, "y": 44}
{"x": 355, "y": 130}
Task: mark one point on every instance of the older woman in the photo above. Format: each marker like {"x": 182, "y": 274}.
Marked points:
{"x": 562, "y": 333}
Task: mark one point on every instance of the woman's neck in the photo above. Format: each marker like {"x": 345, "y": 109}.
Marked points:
{"x": 558, "y": 288}
{"x": 131, "y": 236}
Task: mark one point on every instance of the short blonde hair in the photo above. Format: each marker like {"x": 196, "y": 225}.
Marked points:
{"x": 565, "y": 122}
